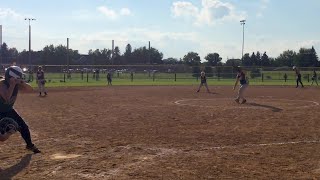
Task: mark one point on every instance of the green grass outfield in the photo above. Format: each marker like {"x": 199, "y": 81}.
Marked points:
{"x": 160, "y": 82}
{"x": 57, "y": 80}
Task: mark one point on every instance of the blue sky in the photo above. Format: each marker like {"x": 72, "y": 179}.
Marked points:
{"x": 173, "y": 27}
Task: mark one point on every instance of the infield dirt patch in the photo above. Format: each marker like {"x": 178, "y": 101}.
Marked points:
{"x": 167, "y": 132}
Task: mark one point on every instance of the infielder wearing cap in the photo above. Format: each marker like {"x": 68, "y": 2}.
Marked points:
{"x": 241, "y": 77}
{"x": 41, "y": 81}
{"x": 203, "y": 82}
{"x": 298, "y": 76}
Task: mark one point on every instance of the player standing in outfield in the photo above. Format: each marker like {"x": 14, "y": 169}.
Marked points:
{"x": 203, "y": 82}
{"x": 298, "y": 76}
{"x": 314, "y": 77}
{"x": 109, "y": 78}
{"x": 241, "y": 77}
{"x": 9, "y": 88}
{"x": 41, "y": 81}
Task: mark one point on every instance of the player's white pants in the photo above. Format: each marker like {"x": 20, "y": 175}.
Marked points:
{"x": 241, "y": 91}
{"x": 41, "y": 87}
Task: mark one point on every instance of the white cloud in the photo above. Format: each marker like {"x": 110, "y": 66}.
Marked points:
{"x": 184, "y": 9}
{"x": 125, "y": 12}
{"x": 112, "y": 14}
{"x": 7, "y": 13}
{"x": 109, "y": 13}
{"x": 211, "y": 12}
{"x": 263, "y": 5}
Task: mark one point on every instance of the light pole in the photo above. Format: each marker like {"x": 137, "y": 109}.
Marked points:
{"x": 29, "y": 19}
{"x": 242, "y": 22}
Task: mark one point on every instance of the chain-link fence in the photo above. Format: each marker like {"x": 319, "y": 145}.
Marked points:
{"x": 89, "y": 73}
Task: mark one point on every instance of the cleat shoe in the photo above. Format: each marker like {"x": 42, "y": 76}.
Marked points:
{"x": 198, "y": 90}
{"x": 45, "y": 93}
{"x": 244, "y": 101}
{"x": 33, "y": 148}
{"x": 237, "y": 101}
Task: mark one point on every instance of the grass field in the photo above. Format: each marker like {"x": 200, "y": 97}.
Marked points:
{"x": 60, "y": 79}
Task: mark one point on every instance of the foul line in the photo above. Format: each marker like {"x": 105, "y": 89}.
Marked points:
{"x": 265, "y": 144}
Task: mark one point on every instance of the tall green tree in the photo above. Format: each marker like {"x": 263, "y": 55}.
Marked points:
{"x": 253, "y": 60}
{"x": 192, "y": 59}
{"x": 233, "y": 62}
{"x": 171, "y": 60}
{"x": 4, "y": 53}
{"x": 116, "y": 55}
{"x": 306, "y": 57}
{"x": 213, "y": 59}
{"x": 48, "y": 55}
{"x": 287, "y": 58}
{"x": 246, "y": 61}
{"x": 265, "y": 61}
{"x": 258, "y": 59}
{"x": 127, "y": 54}
{"x": 140, "y": 56}
{"x": 155, "y": 56}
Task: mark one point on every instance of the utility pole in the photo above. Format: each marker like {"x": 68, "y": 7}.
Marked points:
{"x": 242, "y": 22}
{"x": 29, "y": 19}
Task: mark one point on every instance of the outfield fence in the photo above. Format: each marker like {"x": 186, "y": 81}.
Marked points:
{"x": 89, "y": 73}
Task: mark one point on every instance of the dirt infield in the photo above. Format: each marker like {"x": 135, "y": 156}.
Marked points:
{"x": 167, "y": 132}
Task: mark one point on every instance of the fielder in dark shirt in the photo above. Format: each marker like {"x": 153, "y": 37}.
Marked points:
{"x": 203, "y": 82}
{"x": 298, "y": 76}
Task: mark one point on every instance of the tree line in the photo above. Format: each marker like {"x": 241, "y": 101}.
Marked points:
{"x": 58, "y": 55}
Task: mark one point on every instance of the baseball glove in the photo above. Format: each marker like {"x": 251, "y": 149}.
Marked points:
{"x": 8, "y": 125}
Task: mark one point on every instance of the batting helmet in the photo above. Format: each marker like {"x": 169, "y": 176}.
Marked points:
{"x": 13, "y": 71}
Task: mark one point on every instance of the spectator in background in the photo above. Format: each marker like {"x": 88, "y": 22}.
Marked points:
{"x": 314, "y": 77}
{"x": 131, "y": 74}
{"x": 109, "y": 78}
{"x": 97, "y": 74}
{"x": 41, "y": 81}
{"x": 69, "y": 74}
{"x": 30, "y": 78}
{"x": 285, "y": 76}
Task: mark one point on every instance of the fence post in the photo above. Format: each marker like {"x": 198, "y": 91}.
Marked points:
{"x": 131, "y": 76}
{"x": 64, "y": 77}
{"x": 87, "y": 76}
{"x": 175, "y": 76}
